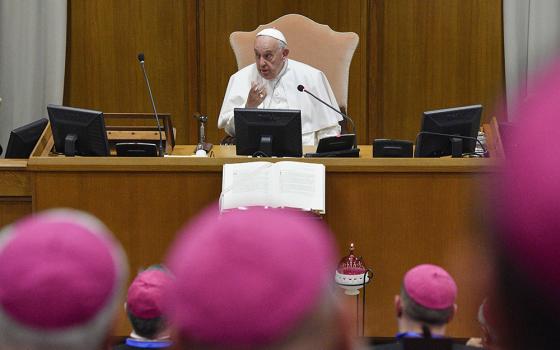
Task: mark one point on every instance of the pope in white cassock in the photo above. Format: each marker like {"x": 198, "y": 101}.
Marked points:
{"x": 271, "y": 83}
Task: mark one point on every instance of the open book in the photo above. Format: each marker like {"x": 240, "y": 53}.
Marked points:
{"x": 283, "y": 184}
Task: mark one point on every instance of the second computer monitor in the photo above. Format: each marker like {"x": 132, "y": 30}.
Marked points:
{"x": 440, "y": 126}
{"x": 78, "y": 131}
{"x": 268, "y": 132}
{"x": 23, "y": 139}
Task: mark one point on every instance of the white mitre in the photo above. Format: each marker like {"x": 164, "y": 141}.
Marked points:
{"x": 275, "y": 33}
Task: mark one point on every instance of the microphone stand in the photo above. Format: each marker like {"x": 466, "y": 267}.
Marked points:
{"x": 141, "y": 59}
{"x": 337, "y": 111}
{"x": 352, "y": 152}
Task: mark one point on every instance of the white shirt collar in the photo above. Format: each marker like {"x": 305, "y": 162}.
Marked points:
{"x": 135, "y": 336}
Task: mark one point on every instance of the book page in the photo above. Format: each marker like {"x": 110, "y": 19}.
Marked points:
{"x": 247, "y": 184}
{"x": 301, "y": 185}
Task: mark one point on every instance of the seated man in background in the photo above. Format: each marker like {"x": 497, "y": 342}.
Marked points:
{"x": 62, "y": 275}
{"x": 256, "y": 279}
{"x": 272, "y": 83}
{"x": 525, "y": 227}
{"x": 426, "y": 304}
{"x": 144, "y": 310}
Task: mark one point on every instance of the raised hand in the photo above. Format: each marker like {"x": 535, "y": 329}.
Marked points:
{"x": 256, "y": 96}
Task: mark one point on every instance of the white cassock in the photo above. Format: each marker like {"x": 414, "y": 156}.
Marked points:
{"x": 317, "y": 120}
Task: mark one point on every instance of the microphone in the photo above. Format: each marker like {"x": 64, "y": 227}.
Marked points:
{"x": 141, "y": 60}
{"x": 301, "y": 88}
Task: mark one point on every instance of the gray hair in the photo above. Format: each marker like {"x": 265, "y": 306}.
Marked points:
{"x": 282, "y": 45}
{"x": 422, "y": 314}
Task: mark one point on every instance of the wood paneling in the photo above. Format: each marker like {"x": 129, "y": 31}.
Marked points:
{"x": 414, "y": 55}
{"x": 15, "y": 190}
{"x": 400, "y": 212}
{"x": 102, "y": 71}
{"x": 13, "y": 209}
{"x": 15, "y": 183}
{"x": 143, "y": 210}
{"x": 393, "y": 221}
{"x": 433, "y": 54}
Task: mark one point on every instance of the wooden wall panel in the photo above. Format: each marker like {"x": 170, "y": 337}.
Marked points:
{"x": 432, "y": 54}
{"x": 153, "y": 206}
{"x": 102, "y": 71}
{"x": 391, "y": 246}
{"x": 414, "y": 55}
{"x": 13, "y": 209}
{"x": 399, "y": 213}
{"x": 219, "y": 18}
{"x": 16, "y": 190}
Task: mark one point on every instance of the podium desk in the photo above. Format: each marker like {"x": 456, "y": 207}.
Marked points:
{"x": 397, "y": 212}
{"x": 15, "y": 190}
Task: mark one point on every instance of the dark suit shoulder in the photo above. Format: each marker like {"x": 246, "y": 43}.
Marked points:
{"x": 390, "y": 346}
{"x": 122, "y": 347}
{"x": 398, "y": 346}
{"x": 464, "y": 347}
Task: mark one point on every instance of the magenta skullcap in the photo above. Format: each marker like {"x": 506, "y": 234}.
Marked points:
{"x": 247, "y": 278}
{"x": 527, "y": 191}
{"x": 430, "y": 286}
{"x": 145, "y": 294}
{"x": 58, "y": 270}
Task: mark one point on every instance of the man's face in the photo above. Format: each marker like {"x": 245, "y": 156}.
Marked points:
{"x": 269, "y": 57}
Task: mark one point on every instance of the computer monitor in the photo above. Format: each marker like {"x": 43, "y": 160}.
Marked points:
{"x": 78, "y": 131}
{"x": 268, "y": 132}
{"x": 441, "y": 128}
{"x": 23, "y": 139}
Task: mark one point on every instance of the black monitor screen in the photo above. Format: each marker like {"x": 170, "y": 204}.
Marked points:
{"x": 268, "y": 132}
{"x": 461, "y": 121}
{"x": 23, "y": 139}
{"x": 78, "y": 131}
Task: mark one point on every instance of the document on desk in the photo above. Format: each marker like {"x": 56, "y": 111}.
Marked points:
{"x": 282, "y": 184}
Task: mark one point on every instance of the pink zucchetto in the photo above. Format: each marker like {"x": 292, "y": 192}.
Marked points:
{"x": 246, "y": 278}
{"x": 430, "y": 286}
{"x": 145, "y": 294}
{"x": 61, "y": 275}
{"x": 527, "y": 190}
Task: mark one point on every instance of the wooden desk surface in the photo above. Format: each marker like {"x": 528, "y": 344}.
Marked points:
{"x": 182, "y": 160}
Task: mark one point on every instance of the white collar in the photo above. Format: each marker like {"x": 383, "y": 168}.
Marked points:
{"x": 135, "y": 336}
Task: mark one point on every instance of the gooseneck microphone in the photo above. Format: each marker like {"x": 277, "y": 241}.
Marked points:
{"x": 301, "y": 88}
{"x": 141, "y": 60}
